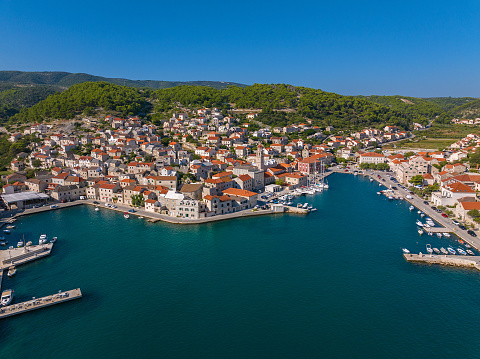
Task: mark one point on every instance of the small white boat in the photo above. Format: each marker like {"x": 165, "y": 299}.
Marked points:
{"x": 439, "y": 235}
{"x": 451, "y": 250}
{"x": 420, "y": 231}
{"x": 19, "y": 244}
{"x": 420, "y": 224}
{"x": 443, "y": 250}
{"x": 140, "y": 217}
{"x": 436, "y": 250}
{"x": 470, "y": 252}
{"x": 461, "y": 251}
{"x": 405, "y": 250}
{"x": 43, "y": 239}
{"x": 418, "y": 212}
{"x": 305, "y": 205}
{"x": 7, "y": 231}
{"x": 422, "y": 214}
{"x": 11, "y": 271}
{"x": 379, "y": 193}
{"x": 3, "y": 243}
{"x": 430, "y": 234}
{"x": 97, "y": 209}
{"x": 7, "y": 296}
{"x": 313, "y": 210}
{"x": 446, "y": 234}
{"x": 126, "y": 215}
{"x": 54, "y": 239}
{"x": 11, "y": 226}
{"x": 29, "y": 243}
{"x": 429, "y": 249}
{"x": 411, "y": 208}
{"x": 390, "y": 198}
{"x": 467, "y": 245}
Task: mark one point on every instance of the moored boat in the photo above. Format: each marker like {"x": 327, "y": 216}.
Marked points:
{"x": 429, "y": 249}
{"x": 97, "y": 209}
{"x": 451, "y": 250}
{"x": 420, "y": 224}
{"x": 420, "y": 231}
{"x": 461, "y": 251}
{"x": 439, "y": 235}
{"x": 467, "y": 245}
{"x": 436, "y": 250}
{"x": 411, "y": 208}
{"x": 470, "y": 252}
{"x": 446, "y": 234}
{"x": 418, "y": 212}
{"x": 443, "y": 250}
{"x": 422, "y": 214}
{"x": 7, "y": 231}
{"x": 405, "y": 250}
{"x": 126, "y": 215}
{"x": 7, "y": 296}
{"x": 43, "y": 239}
{"x": 19, "y": 244}
{"x": 11, "y": 271}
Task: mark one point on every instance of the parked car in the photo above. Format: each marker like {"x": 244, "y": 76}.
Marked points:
{"x": 455, "y": 222}
{"x": 461, "y": 226}
{"x": 425, "y": 202}
{"x": 95, "y": 202}
{"x": 444, "y": 215}
{"x": 472, "y": 233}
{"x": 434, "y": 208}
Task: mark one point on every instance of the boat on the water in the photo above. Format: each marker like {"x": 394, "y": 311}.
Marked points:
{"x": 305, "y": 205}
{"x": 379, "y": 193}
{"x": 429, "y": 249}
{"x": 7, "y": 231}
{"x": 422, "y": 214}
{"x": 470, "y": 252}
{"x": 461, "y": 251}
{"x": 29, "y": 243}
{"x": 405, "y": 250}
{"x": 126, "y": 215}
{"x": 420, "y": 231}
{"x": 11, "y": 226}
{"x": 7, "y": 296}
{"x": 443, "y": 250}
{"x": 436, "y": 250}
{"x": 430, "y": 233}
{"x": 411, "y": 208}
{"x": 467, "y": 245}
{"x": 390, "y": 198}
{"x": 11, "y": 271}
{"x": 418, "y": 212}
{"x": 97, "y": 209}
{"x": 19, "y": 244}
{"x": 43, "y": 239}
{"x": 451, "y": 250}
{"x": 439, "y": 235}
{"x": 446, "y": 234}
{"x": 420, "y": 224}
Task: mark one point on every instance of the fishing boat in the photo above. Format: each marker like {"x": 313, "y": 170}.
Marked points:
{"x": 420, "y": 231}
{"x": 405, "y": 250}
{"x": 7, "y": 296}
{"x": 451, "y": 250}
{"x": 443, "y": 250}
{"x": 411, "y": 208}
{"x": 470, "y": 252}
{"x": 126, "y": 215}
{"x": 461, "y": 251}
{"x": 429, "y": 249}
{"x": 436, "y": 250}
{"x": 446, "y": 234}
{"x": 420, "y": 224}
{"x": 11, "y": 271}
{"x": 439, "y": 235}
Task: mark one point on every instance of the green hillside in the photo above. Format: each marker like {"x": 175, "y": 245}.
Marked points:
{"x": 67, "y": 79}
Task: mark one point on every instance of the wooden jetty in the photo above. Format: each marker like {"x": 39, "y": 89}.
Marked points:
{"x": 18, "y": 256}
{"x": 37, "y": 303}
{"x": 449, "y": 260}
{"x": 438, "y": 230}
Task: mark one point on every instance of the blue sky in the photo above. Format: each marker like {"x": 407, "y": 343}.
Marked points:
{"x": 417, "y": 48}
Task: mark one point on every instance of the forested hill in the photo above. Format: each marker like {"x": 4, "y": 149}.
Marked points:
{"x": 67, "y": 79}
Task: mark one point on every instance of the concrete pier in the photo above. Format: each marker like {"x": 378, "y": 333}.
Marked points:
{"x": 18, "y": 256}
{"x": 38, "y": 303}
{"x": 449, "y": 260}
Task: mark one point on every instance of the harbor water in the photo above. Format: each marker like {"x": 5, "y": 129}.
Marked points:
{"x": 332, "y": 284}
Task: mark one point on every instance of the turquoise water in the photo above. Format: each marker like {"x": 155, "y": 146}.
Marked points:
{"x": 331, "y": 284}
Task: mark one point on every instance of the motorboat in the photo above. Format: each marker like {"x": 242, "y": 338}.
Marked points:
{"x": 469, "y": 251}
{"x": 305, "y": 205}
{"x": 54, "y": 239}
{"x": 430, "y": 234}
{"x": 436, "y": 250}
{"x": 467, "y": 245}
{"x": 411, "y": 208}
{"x": 126, "y": 215}
{"x": 420, "y": 224}
{"x": 97, "y": 209}
{"x": 405, "y": 250}
{"x": 422, "y": 214}
{"x": 418, "y": 212}
{"x": 429, "y": 249}
{"x": 29, "y": 243}
{"x": 451, "y": 250}
{"x": 443, "y": 250}
{"x": 11, "y": 226}
{"x": 19, "y": 244}
{"x": 420, "y": 231}
{"x": 313, "y": 210}
{"x": 390, "y": 198}
{"x": 439, "y": 235}
{"x": 446, "y": 234}
{"x": 461, "y": 251}
{"x": 379, "y": 193}
{"x": 43, "y": 239}
{"x": 461, "y": 241}
{"x": 7, "y": 297}
{"x": 11, "y": 271}
{"x": 3, "y": 243}
{"x": 7, "y": 231}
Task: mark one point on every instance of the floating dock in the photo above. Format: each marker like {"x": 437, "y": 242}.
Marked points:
{"x": 18, "y": 256}
{"x": 449, "y": 260}
{"x": 38, "y": 303}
